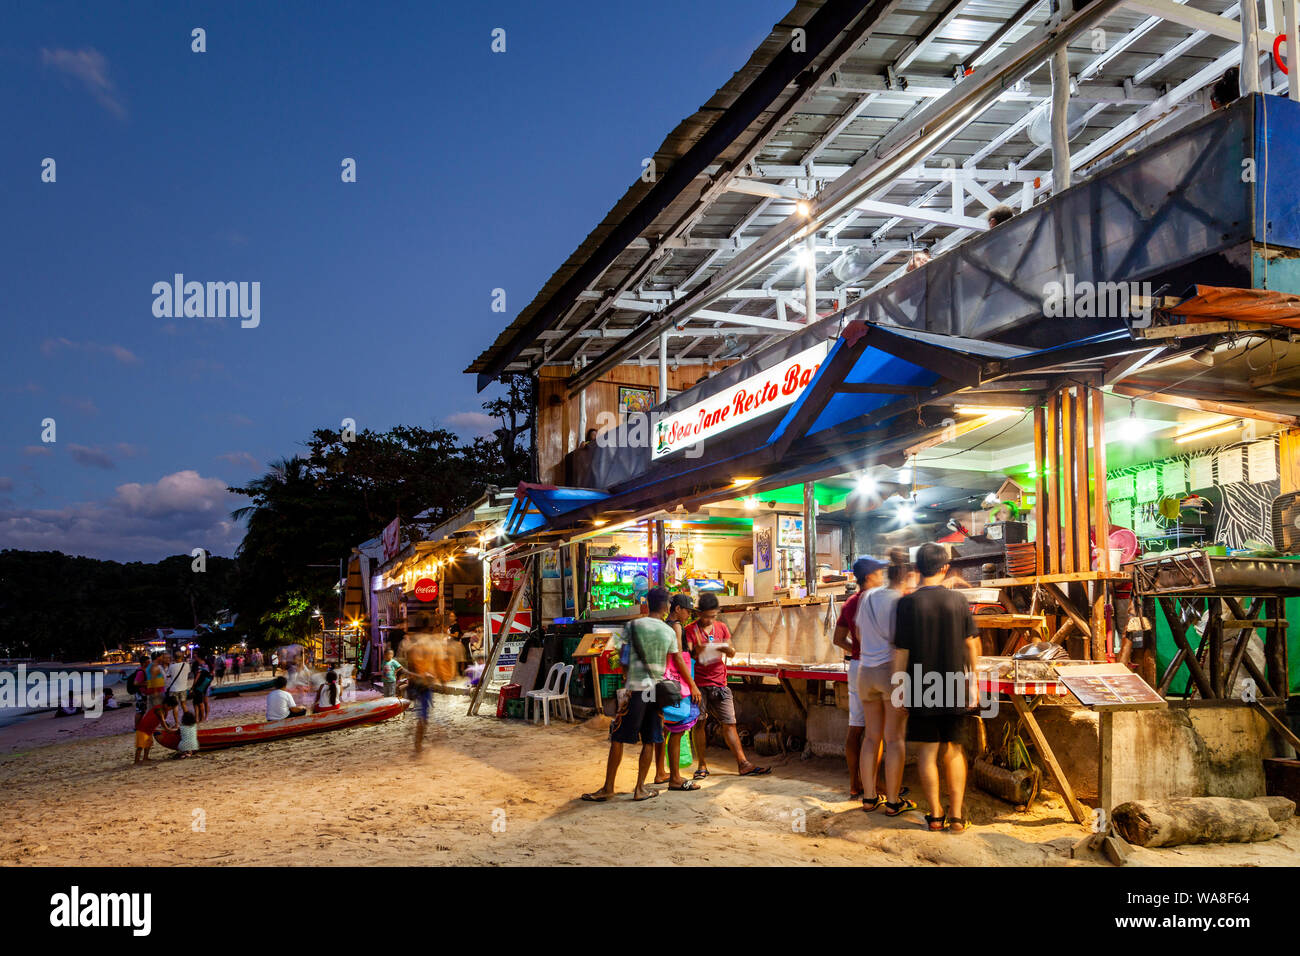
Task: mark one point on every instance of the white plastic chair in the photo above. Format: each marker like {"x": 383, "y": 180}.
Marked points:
{"x": 555, "y": 689}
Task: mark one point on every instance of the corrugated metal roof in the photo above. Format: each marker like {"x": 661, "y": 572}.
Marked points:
{"x": 913, "y": 53}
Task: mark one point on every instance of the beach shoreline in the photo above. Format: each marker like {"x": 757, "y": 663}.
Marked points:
{"x": 486, "y": 792}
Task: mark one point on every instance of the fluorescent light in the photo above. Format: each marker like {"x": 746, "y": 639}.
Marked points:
{"x": 1206, "y": 432}
{"x": 989, "y": 411}
{"x": 739, "y": 482}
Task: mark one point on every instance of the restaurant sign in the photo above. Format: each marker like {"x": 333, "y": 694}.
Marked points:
{"x": 743, "y": 402}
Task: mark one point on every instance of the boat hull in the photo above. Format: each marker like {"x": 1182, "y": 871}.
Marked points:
{"x": 347, "y": 715}
{"x": 247, "y": 687}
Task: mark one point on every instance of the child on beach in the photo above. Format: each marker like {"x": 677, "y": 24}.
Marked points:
{"x": 327, "y": 697}
{"x": 189, "y": 743}
{"x": 389, "y": 670}
{"x": 154, "y": 719}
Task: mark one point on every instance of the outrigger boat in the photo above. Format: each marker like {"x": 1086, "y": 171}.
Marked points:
{"x": 344, "y": 715}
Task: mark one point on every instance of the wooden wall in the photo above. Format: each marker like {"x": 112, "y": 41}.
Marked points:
{"x": 1289, "y": 460}
{"x": 557, "y": 417}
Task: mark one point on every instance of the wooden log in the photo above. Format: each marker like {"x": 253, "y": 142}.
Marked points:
{"x": 1185, "y": 820}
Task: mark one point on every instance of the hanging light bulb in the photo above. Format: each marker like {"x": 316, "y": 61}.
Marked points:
{"x": 1131, "y": 429}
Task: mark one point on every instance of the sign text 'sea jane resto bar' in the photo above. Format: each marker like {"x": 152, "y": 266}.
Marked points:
{"x": 757, "y": 395}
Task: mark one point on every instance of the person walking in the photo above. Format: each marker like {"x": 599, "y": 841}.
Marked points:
{"x": 938, "y": 646}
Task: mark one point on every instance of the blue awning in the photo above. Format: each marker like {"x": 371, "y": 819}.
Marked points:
{"x": 536, "y": 506}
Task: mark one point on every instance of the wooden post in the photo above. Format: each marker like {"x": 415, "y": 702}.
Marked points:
{"x": 660, "y": 556}
{"x": 1101, "y": 517}
{"x": 1040, "y": 489}
{"x": 1105, "y": 772}
{"x": 1052, "y": 531}
{"x": 1065, "y": 409}
{"x": 573, "y": 577}
{"x": 1082, "y": 546}
{"x": 516, "y": 599}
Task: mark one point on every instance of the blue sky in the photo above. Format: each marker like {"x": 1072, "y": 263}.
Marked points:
{"x": 475, "y": 170}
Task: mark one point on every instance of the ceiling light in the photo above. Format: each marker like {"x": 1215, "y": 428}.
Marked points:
{"x": 905, "y": 475}
{"x": 675, "y": 525}
{"x": 804, "y": 208}
{"x": 1131, "y": 429}
{"x": 989, "y": 411}
{"x": 599, "y": 522}
{"x": 751, "y": 503}
{"x": 740, "y": 482}
{"x": 905, "y": 514}
{"x": 866, "y": 484}
{"x": 1207, "y": 432}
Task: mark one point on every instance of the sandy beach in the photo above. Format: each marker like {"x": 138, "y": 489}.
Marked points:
{"x": 485, "y": 792}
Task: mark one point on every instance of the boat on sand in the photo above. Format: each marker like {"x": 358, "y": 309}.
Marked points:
{"x": 344, "y": 715}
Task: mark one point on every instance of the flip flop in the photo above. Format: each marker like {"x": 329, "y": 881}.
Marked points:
{"x": 592, "y": 798}
{"x": 650, "y": 795}
{"x": 688, "y": 785}
{"x": 899, "y": 808}
{"x": 755, "y": 771}
{"x": 660, "y": 783}
{"x": 699, "y": 774}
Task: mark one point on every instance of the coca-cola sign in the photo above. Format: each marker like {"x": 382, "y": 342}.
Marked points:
{"x": 757, "y": 395}
{"x": 426, "y": 589}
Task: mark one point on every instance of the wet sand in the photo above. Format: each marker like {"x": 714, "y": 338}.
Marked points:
{"x": 485, "y": 792}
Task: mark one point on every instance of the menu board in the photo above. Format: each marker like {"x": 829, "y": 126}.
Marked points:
{"x": 1230, "y": 470}
{"x": 1173, "y": 478}
{"x": 1202, "y": 472}
{"x": 1148, "y": 488}
{"x": 1261, "y": 461}
{"x": 1121, "y": 486}
{"x": 1109, "y": 687}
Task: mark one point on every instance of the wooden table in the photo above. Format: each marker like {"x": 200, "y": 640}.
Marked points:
{"x": 1054, "y": 592}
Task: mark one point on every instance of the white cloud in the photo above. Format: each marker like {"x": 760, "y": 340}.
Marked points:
{"x": 477, "y": 423}
{"x": 52, "y": 347}
{"x": 143, "y": 522}
{"x": 91, "y": 68}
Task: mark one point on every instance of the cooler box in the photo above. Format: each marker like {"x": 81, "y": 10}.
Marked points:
{"x": 508, "y": 692}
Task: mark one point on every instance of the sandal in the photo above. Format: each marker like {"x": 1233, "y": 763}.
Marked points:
{"x": 755, "y": 771}
{"x": 872, "y": 804}
{"x": 594, "y": 798}
{"x": 936, "y": 824}
{"x": 700, "y": 774}
{"x": 687, "y": 786}
{"x": 649, "y": 795}
{"x": 958, "y": 825}
{"x": 902, "y": 806}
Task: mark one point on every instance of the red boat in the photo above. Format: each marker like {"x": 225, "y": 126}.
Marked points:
{"x": 345, "y": 715}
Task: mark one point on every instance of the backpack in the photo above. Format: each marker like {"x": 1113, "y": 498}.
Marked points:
{"x": 133, "y": 685}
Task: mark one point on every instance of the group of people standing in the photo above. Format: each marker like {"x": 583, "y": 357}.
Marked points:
{"x": 913, "y": 648}
{"x": 675, "y": 660}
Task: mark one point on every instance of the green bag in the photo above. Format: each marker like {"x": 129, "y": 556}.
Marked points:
{"x": 686, "y": 755}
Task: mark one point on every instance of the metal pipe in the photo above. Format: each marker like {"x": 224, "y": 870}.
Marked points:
{"x": 663, "y": 367}
{"x": 810, "y": 537}
{"x": 1060, "y": 119}
{"x": 810, "y": 278}
{"x": 1249, "y": 47}
{"x": 1290, "y": 19}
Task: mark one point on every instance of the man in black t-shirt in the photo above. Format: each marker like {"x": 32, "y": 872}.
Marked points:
{"x": 937, "y": 648}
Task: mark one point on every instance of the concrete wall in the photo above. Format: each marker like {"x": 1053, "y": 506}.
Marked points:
{"x": 1212, "y": 750}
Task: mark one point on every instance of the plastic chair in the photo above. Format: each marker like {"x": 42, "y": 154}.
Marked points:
{"x": 555, "y": 689}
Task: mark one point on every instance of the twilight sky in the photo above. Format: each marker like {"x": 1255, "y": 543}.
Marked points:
{"x": 474, "y": 170}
